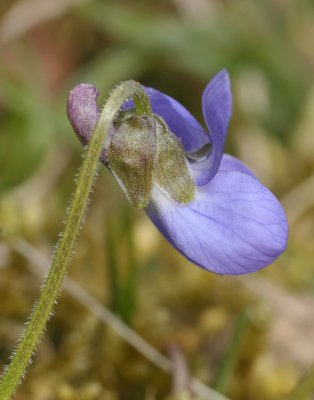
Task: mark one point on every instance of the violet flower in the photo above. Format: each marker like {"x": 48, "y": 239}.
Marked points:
{"x": 233, "y": 225}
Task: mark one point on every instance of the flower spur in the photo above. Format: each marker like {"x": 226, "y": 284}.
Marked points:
{"x": 207, "y": 204}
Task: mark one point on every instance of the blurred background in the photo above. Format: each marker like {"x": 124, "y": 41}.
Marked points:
{"x": 249, "y": 337}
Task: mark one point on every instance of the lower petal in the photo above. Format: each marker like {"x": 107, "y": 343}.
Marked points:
{"x": 234, "y": 226}
{"x": 230, "y": 163}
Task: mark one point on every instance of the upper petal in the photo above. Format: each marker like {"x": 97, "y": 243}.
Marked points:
{"x": 217, "y": 107}
{"x": 235, "y": 225}
{"x": 179, "y": 120}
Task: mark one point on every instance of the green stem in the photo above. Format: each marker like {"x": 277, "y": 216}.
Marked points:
{"x": 230, "y": 358}
{"x": 14, "y": 373}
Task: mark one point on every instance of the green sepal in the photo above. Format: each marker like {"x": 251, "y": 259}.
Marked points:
{"x": 172, "y": 172}
{"x": 131, "y": 157}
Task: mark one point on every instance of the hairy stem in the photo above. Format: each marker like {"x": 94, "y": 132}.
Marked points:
{"x": 15, "y": 371}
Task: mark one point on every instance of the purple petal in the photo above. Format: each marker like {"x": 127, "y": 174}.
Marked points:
{"x": 234, "y": 226}
{"x": 179, "y": 120}
{"x": 216, "y": 105}
{"x": 230, "y": 163}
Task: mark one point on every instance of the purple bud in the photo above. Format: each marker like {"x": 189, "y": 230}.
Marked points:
{"x": 83, "y": 114}
{"x": 83, "y": 111}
